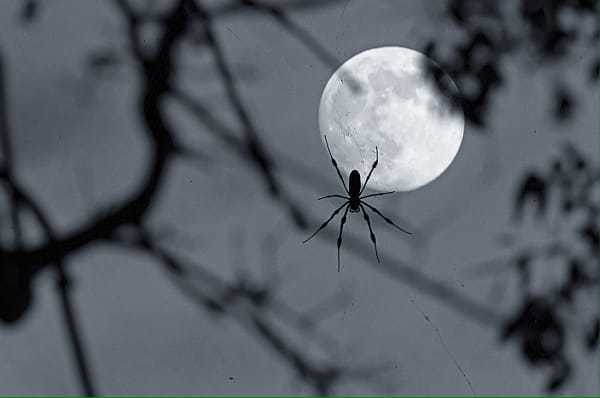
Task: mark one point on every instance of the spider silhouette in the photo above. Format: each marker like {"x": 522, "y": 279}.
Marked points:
{"x": 354, "y": 202}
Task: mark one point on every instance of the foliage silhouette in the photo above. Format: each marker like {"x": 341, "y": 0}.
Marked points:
{"x": 563, "y": 193}
{"x": 546, "y": 34}
{"x": 543, "y": 32}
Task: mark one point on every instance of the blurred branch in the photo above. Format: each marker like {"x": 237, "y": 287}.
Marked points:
{"x": 7, "y": 156}
{"x": 405, "y": 273}
{"x": 252, "y": 308}
{"x": 410, "y": 274}
{"x": 279, "y": 14}
{"x": 25, "y": 201}
{"x": 252, "y": 141}
{"x": 236, "y": 7}
{"x": 64, "y": 284}
{"x": 157, "y": 71}
{"x": 19, "y": 199}
{"x": 132, "y": 210}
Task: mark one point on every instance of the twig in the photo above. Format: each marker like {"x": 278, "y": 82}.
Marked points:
{"x": 7, "y": 157}
{"x": 85, "y": 378}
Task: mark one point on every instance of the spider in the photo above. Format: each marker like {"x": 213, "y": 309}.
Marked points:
{"x": 354, "y": 202}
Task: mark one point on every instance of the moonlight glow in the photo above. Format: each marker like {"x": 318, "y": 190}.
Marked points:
{"x": 384, "y": 97}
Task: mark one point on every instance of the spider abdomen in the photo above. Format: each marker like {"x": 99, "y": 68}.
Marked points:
{"x": 354, "y": 183}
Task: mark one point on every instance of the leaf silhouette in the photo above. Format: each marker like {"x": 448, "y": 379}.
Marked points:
{"x": 563, "y": 106}
{"x": 593, "y": 335}
{"x": 29, "y": 11}
{"x": 533, "y": 189}
{"x": 559, "y": 377}
{"x": 590, "y": 234}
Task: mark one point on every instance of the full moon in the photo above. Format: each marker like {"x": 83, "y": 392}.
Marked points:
{"x": 385, "y": 98}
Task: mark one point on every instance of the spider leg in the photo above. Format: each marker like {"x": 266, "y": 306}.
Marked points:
{"x": 333, "y": 196}
{"x": 336, "y": 167}
{"x": 371, "y": 172}
{"x": 384, "y": 217}
{"x": 326, "y": 222}
{"x": 339, "y": 241}
{"x": 376, "y": 194}
{"x": 366, "y": 216}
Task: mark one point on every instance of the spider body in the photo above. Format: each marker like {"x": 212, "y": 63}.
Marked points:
{"x": 354, "y": 203}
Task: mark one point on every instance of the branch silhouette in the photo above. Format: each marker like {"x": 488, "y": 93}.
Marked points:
{"x": 157, "y": 70}
{"x": 19, "y": 200}
{"x": 253, "y": 307}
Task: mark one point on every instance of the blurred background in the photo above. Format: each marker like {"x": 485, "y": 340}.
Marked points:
{"x": 160, "y": 168}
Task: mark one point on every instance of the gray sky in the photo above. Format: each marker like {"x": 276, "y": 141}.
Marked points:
{"x": 80, "y": 145}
